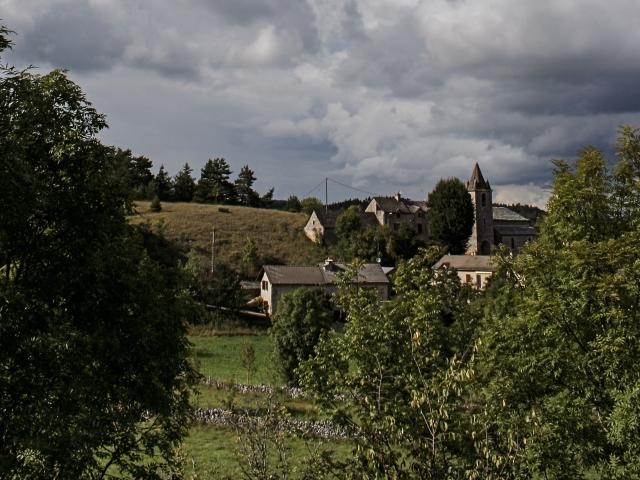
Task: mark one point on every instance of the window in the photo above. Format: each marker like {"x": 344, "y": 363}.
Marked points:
{"x": 478, "y": 281}
{"x": 265, "y": 285}
{"x": 396, "y": 227}
{"x": 484, "y": 200}
{"x": 513, "y": 244}
{"x": 419, "y": 229}
{"x": 468, "y": 278}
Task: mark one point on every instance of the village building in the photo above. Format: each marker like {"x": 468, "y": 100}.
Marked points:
{"x": 395, "y": 211}
{"x": 320, "y": 228}
{"x": 473, "y": 270}
{"x": 276, "y": 280}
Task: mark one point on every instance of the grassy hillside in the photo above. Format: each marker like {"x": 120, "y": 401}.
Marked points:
{"x": 278, "y": 235}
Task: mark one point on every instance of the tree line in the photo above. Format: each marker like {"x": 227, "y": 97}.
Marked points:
{"x": 213, "y": 186}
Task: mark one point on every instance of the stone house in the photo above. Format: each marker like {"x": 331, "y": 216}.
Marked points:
{"x": 472, "y": 269}
{"x": 395, "y": 211}
{"x": 276, "y": 280}
{"x": 320, "y": 228}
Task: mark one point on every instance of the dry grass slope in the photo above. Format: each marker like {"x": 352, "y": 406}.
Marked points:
{"x": 278, "y": 235}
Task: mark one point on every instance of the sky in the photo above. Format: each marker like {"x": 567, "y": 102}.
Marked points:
{"x": 383, "y": 96}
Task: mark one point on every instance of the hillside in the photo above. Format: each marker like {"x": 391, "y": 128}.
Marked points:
{"x": 278, "y": 235}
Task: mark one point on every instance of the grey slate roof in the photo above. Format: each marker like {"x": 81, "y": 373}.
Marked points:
{"x": 404, "y": 205}
{"x": 319, "y": 275}
{"x": 507, "y": 215}
{"x": 327, "y": 218}
{"x": 467, "y": 263}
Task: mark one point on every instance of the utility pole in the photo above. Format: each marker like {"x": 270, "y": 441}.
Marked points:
{"x": 213, "y": 241}
{"x": 326, "y": 195}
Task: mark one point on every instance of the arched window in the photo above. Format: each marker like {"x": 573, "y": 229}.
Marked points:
{"x": 484, "y": 200}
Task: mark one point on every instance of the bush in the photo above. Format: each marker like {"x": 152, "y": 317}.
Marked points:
{"x": 155, "y": 206}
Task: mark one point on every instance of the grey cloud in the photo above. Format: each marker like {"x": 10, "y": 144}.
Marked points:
{"x": 73, "y": 36}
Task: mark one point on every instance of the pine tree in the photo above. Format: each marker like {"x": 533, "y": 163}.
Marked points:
{"x": 163, "y": 184}
{"x": 214, "y": 185}
{"x": 246, "y": 194}
{"x": 184, "y": 185}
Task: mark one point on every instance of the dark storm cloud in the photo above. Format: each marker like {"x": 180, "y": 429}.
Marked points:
{"x": 73, "y": 36}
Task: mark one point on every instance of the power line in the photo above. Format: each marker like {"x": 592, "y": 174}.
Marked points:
{"x": 313, "y": 189}
{"x": 353, "y": 188}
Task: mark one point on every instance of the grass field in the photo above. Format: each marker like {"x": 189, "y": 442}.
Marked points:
{"x": 278, "y": 235}
{"x": 219, "y": 357}
{"x": 210, "y": 452}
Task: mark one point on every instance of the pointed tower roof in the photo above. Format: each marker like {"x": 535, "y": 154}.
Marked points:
{"x": 477, "y": 181}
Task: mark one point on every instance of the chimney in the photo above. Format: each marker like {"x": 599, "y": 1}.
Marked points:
{"x": 398, "y": 196}
{"x": 328, "y": 264}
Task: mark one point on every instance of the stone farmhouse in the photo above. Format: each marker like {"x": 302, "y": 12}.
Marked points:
{"x": 276, "y": 280}
{"x": 493, "y": 225}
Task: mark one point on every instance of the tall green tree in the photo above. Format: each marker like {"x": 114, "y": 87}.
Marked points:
{"x": 214, "y": 184}
{"x": 184, "y": 185}
{"x": 244, "y": 188}
{"x": 302, "y": 317}
{"x": 163, "y": 184}
{"x": 293, "y": 204}
{"x": 562, "y": 339}
{"x": 450, "y": 215}
{"x": 94, "y": 371}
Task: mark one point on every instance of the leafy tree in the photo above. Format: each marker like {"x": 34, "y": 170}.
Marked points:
{"x": 184, "y": 185}
{"x": 348, "y": 223}
{"x": 403, "y": 243}
{"x": 293, "y": 204}
{"x": 400, "y": 374}
{"x": 302, "y": 317}
{"x": 155, "y": 206}
{"x": 250, "y": 257}
{"x": 309, "y": 204}
{"x": 450, "y": 215}
{"x": 244, "y": 188}
{"x": 94, "y": 369}
{"x": 163, "y": 184}
{"x": 214, "y": 185}
{"x": 562, "y": 339}
{"x": 248, "y": 359}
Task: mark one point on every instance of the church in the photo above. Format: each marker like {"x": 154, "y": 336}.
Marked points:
{"x": 494, "y": 225}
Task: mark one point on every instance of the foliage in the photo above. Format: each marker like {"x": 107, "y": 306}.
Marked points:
{"x": 184, "y": 185}
{"x": 403, "y": 243}
{"x": 293, "y": 204}
{"x": 302, "y": 317}
{"x": 562, "y": 338}
{"x": 94, "y": 369}
{"x": 163, "y": 184}
{"x": 309, "y": 204}
{"x": 348, "y": 223}
{"x": 266, "y": 200}
{"x": 155, "y": 206}
{"x": 214, "y": 185}
{"x": 248, "y": 358}
{"x": 250, "y": 259}
{"x": 244, "y": 188}
{"x": 450, "y": 215}
{"x": 399, "y": 377}
{"x": 219, "y": 287}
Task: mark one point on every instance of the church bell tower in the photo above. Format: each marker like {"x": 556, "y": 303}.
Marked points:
{"x": 481, "y": 239}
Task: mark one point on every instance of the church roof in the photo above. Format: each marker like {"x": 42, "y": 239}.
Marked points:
{"x": 477, "y": 181}
{"x": 508, "y": 215}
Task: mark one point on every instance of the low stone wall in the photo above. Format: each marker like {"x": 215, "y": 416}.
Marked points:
{"x": 292, "y": 392}
{"x": 226, "y": 418}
